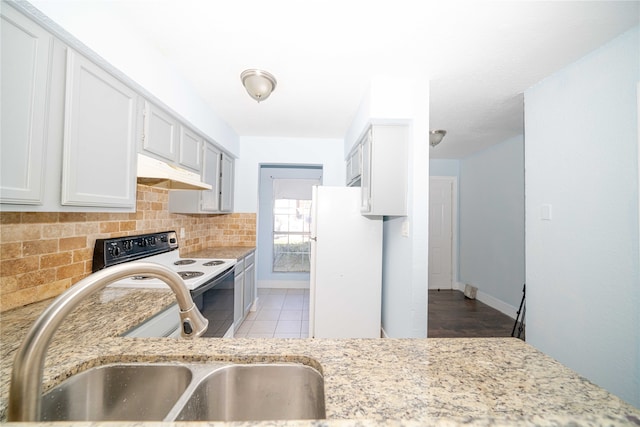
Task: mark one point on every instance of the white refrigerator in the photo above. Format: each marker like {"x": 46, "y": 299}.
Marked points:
{"x": 346, "y": 266}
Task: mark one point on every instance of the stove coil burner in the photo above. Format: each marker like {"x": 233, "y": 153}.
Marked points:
{"x": 213, "y": 263}
{"x": 184, "y": 262}
{"x": 190, "y": 274}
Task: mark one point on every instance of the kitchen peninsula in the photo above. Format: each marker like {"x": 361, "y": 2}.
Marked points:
{"x": 481, "y": 381}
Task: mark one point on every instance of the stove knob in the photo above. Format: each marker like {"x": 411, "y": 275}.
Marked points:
{"x": 142, "y": 242}
{"x": 152, "y": 240}
{"x": 115, "y": 251}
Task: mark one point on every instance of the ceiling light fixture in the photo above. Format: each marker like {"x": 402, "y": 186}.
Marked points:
{"x": 435, "y": 136}
{"x": 259, "y": 84}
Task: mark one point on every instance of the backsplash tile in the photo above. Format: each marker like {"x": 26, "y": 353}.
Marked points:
{"x": 44, "y": 253}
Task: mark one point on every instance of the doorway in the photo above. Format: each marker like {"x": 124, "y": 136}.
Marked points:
{"x": 442, "y": 211}
{"x": 284, "y": 224}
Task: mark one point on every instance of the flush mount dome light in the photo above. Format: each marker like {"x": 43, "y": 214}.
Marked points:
{"x": 435, "y": 136}
{"x": 259, "y": 84}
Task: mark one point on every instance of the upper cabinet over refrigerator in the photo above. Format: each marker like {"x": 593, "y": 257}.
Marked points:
{"x": 378, "y": 164}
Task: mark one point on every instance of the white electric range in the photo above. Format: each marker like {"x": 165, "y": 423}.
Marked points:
{"x": 160, "y": 248}
{"x": 210, "y": 281}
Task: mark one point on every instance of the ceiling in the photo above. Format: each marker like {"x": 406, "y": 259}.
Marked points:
{"x": 477, "y": 56}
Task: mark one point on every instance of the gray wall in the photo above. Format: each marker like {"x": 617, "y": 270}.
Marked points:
{"x": 583, "y": 280}
{"x": 491, "y": 217}
{"x": 444, "y": 167}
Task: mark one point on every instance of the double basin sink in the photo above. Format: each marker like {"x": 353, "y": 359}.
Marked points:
{"x": 188, "y": 392}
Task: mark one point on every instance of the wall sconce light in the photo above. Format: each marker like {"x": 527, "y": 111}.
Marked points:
{"x": 435, "y": 136}
{"x": 259, "y": 84}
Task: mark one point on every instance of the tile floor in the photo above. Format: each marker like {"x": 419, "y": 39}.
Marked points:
{"x": 281, "y": 313}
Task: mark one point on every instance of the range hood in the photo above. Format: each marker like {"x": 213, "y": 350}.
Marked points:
{"x": 157, "y": 173}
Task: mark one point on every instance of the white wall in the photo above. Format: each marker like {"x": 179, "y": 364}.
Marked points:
{"x": 255, "y": 151}
{"x": 139, "y": 61}
{"x": 491, "y": 221}
{"x": 582, "y": 268}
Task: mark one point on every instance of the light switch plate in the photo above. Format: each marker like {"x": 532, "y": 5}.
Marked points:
{"x": 405, "y": 228}
{"x": 546, "y": 212}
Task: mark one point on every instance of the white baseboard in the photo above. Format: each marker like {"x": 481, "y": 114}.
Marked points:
{"x": 282, "y": 284}
{"x": 492, "y": 301}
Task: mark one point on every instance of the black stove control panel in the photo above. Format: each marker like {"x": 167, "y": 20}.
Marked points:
{"x": 108, "y": 252}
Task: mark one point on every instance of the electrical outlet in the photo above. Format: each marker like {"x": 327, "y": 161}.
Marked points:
{"x": 182, "y": 234}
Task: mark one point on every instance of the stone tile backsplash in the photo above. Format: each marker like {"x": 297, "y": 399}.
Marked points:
{"x": 44, "y": 253}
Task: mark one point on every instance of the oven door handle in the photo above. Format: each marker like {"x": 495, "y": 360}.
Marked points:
{"x": 213, "y": 282}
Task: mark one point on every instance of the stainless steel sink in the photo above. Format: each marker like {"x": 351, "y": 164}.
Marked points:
{"x": 257, "y": 392}
{"x": 188, "y": 392}
{"x": 140, "y": 392}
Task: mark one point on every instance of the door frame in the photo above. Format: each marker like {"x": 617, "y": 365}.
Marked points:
{"x": 454, "y": 228}
{"x": 265, "y": 278}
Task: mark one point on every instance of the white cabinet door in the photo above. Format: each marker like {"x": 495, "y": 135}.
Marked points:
{"x": 365, "y": 179}
{"x": 190, "y": 149}
{"x": 249, "y": 283}
{"x": 354, "y": 163}
{"x": 205, "y": 201}
{"x": 226, "y": 183}
{"x": 26, "y": 50}
{"x": 160, "y": 135}
{"x": 99, "y": 146}
{"x": 384, "y": 178}
{"x": 211, "y": 175}
{"x": 238, "y": 313}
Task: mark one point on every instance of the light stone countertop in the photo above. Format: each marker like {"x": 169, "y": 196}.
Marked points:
{"x": 482, "y": 381}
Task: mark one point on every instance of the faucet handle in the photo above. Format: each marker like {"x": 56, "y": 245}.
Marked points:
{"x": 194, "y": 324}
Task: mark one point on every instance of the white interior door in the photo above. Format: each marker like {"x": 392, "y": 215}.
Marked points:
{"x": 441, "y": 232}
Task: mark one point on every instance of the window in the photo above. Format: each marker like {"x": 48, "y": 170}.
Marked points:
{"x": 291, "y": 232}
{"x": 292, "y": 224}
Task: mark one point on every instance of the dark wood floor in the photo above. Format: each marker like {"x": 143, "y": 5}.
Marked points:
{"x": 451, "y": 315}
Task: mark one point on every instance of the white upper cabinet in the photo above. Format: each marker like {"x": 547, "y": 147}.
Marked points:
{"x": 165, "y": 138}
{"x": 99, "y": 149}
{"x": 71, "y": 127}
{"x": 217, "y": 170}
{"x": 210, "y": 201}
{"x": 384, "y": 178}
{"x": 26, "y": 50}
{"x": 160, "y": 136}
{"x": 354, "y": 166}
{"x": 190, "y": 149}
{"x": 226, "y": 183}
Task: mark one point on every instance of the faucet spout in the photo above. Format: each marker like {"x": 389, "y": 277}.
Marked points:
{"x": 28, "y": 366}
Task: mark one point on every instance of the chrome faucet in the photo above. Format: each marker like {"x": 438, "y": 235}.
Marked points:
{"x": 28, "y": 366}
